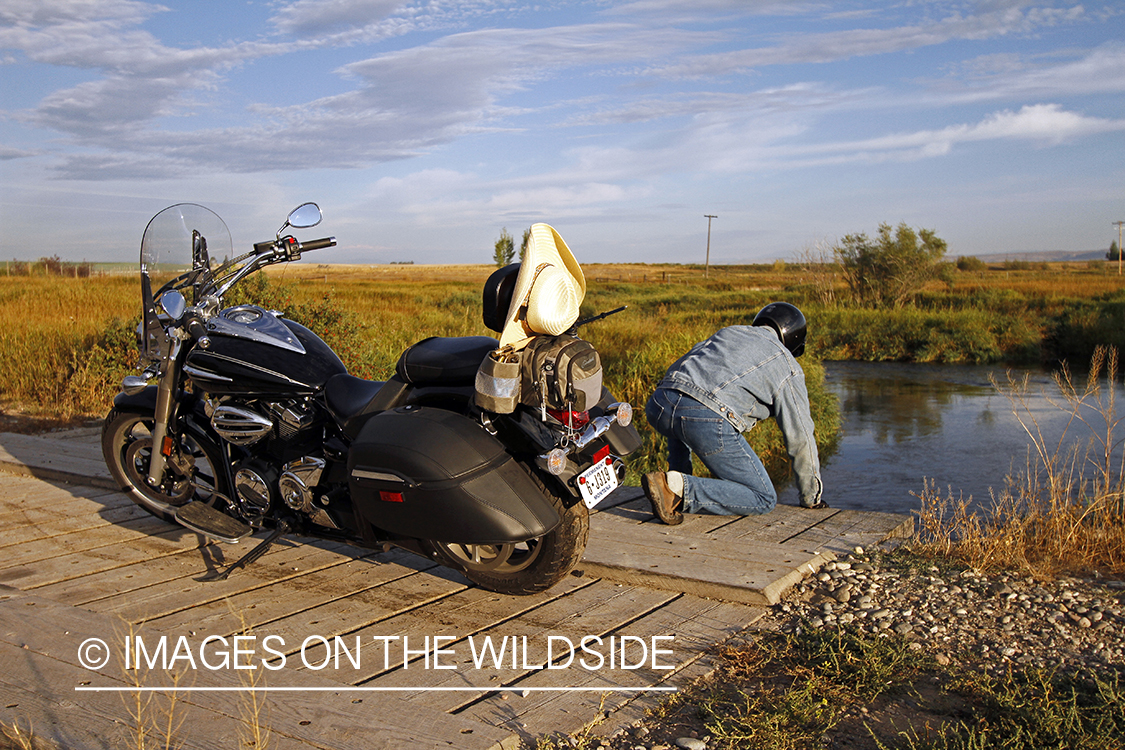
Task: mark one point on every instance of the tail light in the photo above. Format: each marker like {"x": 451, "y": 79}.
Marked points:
{"x": 575, "y": 420}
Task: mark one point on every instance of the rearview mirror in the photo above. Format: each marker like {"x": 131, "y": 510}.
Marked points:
{"x": 173, "y": 303}
{"x": 304, "y": 216}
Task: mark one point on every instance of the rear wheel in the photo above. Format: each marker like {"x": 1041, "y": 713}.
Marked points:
{"x": 524, "y": 567}
{"x": 127, "y": 447}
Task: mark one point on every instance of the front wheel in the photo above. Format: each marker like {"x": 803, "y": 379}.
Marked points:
{"x": 127, "y": 448}
{"x": 525, "y": 567}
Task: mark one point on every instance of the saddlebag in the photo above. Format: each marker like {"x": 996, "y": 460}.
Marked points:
{"x": 560, "y": 372}
{"x": 428, "y": 473}
{"x": 555, "y": 372}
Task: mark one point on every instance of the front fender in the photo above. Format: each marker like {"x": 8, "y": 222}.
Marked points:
{"x": 146, "y": 399}
{"x": 190, "y": 417}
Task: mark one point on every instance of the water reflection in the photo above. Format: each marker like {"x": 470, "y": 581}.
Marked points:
{"x": 903, "y": 424}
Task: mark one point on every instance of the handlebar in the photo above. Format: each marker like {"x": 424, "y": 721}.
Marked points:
{"x": 318, "y": 244}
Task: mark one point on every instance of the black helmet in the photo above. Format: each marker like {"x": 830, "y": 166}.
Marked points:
{"x": 788, "y": 322}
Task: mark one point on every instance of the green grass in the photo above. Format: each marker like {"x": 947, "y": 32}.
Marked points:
{"x": 66, "y": 343}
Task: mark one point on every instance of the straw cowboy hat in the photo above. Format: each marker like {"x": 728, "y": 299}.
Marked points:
{"x": 549, "y": 289}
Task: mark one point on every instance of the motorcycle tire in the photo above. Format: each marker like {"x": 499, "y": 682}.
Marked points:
{"x": 526, "y": 567}
{"x": 127, "y": 445}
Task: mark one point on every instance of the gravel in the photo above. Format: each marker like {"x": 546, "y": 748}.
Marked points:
{"x": 965, "y": 616}
{"x": 960, "y": 617}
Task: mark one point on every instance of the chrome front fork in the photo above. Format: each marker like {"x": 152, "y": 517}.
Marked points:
{"x": 164, "y": 414}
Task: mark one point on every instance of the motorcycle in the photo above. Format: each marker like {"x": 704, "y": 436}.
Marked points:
{"x": 242, "y": 420}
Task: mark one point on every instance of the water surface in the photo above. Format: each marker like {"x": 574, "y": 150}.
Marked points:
{"x": 904, "y": 424}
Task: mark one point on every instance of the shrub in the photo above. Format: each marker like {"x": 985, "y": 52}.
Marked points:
{"x": 971, "y": 263}
{"x": 890, "y": 269}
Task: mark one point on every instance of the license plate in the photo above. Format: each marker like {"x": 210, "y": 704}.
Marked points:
{"x": 597, "y": 482}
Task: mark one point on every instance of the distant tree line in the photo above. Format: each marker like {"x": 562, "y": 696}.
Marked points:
{"x": 52, "y": 266}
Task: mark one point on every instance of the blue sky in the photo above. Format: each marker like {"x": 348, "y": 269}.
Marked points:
{"x": 422, "y": 128}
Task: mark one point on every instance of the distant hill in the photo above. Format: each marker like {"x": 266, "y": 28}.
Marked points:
{"x": 1042, "y": 256}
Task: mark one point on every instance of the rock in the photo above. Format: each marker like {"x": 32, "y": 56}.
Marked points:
{"x": 691, "y": 743}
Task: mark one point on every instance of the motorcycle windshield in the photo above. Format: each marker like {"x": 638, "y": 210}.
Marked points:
{"x": 179, "y": 239}
{"x": 167, "y": 247}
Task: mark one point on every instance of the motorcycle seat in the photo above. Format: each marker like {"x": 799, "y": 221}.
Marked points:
{"x": 444, "y": 360}
{"x": 351, "y": 399}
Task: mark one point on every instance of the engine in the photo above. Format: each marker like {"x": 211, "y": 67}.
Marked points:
{"x": 259, "y": 482}
{"x": 245, "y": 423}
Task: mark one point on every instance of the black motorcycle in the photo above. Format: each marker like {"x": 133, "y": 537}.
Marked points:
{"x": 243, "y": 420}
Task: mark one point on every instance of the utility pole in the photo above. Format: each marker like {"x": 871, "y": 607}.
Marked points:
{"x": 707, "y": 267}
{"x": 1118, "y": 225}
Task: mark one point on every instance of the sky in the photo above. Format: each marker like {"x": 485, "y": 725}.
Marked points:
{"x": 424, "y": 128}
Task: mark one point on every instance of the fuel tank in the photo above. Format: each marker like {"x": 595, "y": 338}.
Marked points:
{"x": 256, "y": 353}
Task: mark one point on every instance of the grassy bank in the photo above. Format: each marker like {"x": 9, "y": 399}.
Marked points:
{"x": 65, "y": 343}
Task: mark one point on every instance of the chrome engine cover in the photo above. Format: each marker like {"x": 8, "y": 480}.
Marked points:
{"x": 253, "y": 486}
{"x": 240, "y": 426}
{"x": 296, "y": 483}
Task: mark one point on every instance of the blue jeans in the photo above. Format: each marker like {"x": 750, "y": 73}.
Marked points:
{"x": 740, "y": 486}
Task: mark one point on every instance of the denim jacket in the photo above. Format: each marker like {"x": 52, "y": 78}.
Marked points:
{"x": 745, "y": 374}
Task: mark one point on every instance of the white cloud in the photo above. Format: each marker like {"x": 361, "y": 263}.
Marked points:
{"x": 1047, "y": 124}
{"x": 318, "y": 17}
{"x": 999, "y": 19}
{"x": 1100, "y": 70}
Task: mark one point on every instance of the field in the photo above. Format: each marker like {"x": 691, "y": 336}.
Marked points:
{"x": 65, "y": 343}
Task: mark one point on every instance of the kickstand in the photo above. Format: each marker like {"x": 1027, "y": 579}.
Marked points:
{"x": 259, "y": 550}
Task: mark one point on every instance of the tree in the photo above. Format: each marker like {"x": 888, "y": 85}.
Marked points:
{"x": 526, "y": 240}
{"x": 1114, "y": 251}
{"x": 890, "y": 269}
{"x": 505, "y": 249}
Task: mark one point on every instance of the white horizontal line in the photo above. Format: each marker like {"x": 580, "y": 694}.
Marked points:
{"x": 354, "y": 689}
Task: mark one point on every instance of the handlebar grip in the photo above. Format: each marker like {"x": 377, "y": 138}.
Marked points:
{"x": 318, "y": 244}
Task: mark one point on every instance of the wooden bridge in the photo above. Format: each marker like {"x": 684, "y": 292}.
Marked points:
{"x": 354, "y": 649}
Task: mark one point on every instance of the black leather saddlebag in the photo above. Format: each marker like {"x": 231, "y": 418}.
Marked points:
{"x": 434, "y": 474}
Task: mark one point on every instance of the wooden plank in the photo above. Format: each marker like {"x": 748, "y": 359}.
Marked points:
{"x": 844, "y": 531}
{"x": 313, "y": 717}
{"x": 460, "y": 614}
{"x": 49, "y": 459}
{"x": 703, "y": 567}
{"x": 697, "y": 624}
{"x": 37, "y": 692}
{"x": 355, "y": 613}
{"x": 34, "y": 524}
{"x": 254, "y": 609}
{"x": 779, "y": 525}
{"x": 284, "y": 561}
{"x": 47, "y": 561}
{"x": 639, "y": 511}
{"x": 146, "y": 572}
{"x": 594, "y": 610}
{"x": 20, "y": 493}
{"x": 147, "y": 530}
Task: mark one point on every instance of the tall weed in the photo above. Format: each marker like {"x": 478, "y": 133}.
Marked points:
{"x": 1065, "y": 511}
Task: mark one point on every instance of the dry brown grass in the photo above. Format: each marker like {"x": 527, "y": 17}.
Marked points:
{"x": 1064, "y": 513}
